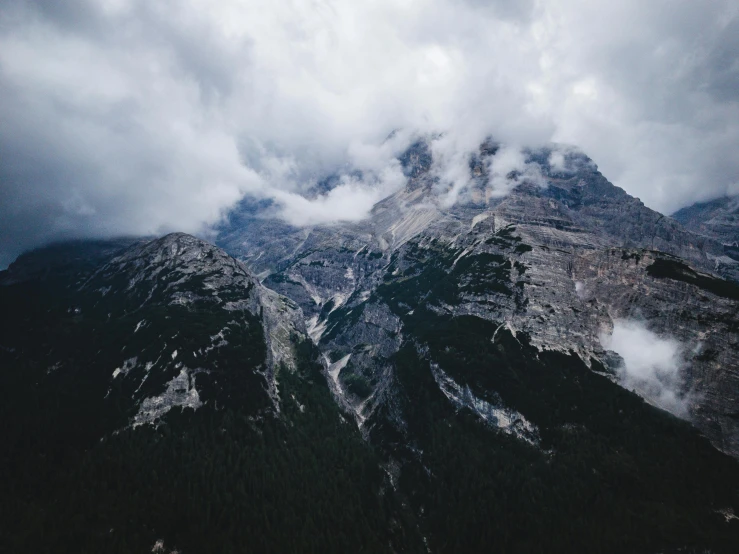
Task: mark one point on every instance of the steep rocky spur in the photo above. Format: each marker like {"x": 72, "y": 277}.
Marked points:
{"x": 173, "y": 318}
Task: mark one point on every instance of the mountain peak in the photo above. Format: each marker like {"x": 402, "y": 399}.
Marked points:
{"x": 717, "y": 219}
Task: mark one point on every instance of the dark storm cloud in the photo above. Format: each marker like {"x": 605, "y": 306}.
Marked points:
{"x": 137, "y": 117}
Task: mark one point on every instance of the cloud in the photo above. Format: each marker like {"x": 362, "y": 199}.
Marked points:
{"x": 451, "y": 154}
{"x": 508, "y": 169}
{"x": 131, "y": 117}
{"x": 652, "y": 365}
{"x": 350, "y": 200}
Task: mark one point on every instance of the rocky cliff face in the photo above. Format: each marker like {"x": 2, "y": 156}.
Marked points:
{"x": 178, "y": 322}
{"x": 718, "y": 219}
{"x": 471, "y": 345}
{"x": 698, "y": 310}
{"x": 156, "y": 393}
{"x": 443, "y": 378}
{"x": 435, "y": 378}
{"x": 559, "y": 260}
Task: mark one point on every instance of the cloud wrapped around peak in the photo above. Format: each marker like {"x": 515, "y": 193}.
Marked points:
{"x": 136, "y": 117}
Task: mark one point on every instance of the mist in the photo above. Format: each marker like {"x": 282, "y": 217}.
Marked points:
{"x": 653, "y": 366}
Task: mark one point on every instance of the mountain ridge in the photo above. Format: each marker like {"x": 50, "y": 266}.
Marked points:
{"x": 718, "y": 219}
{"x": 550, "y": 238}
{"x": 433, "y": 378}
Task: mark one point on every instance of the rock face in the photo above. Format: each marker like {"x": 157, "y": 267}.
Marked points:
{"x": 441, "y": 377}
{"x": 559, "y": 259}
{"x": 698, "y": 310}
{"x": 432, "y": 379}
{"x": 718, "y": 219}
{"x": 179, "y": 323}
{"x": 475, "y": 345}
{"x": 165, "y": 396}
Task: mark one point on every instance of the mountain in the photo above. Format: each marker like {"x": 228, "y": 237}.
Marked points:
{"x": 190, "y": 312}
{"x": 435, "y": 378}
{"x": 155, "y": 391}
{"x": 560, "y": 263}
{"x": 718, "y": 219}
{"x": 494, "y": 309}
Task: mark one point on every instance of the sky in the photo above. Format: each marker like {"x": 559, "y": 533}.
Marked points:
{"x": 138, "y": 117}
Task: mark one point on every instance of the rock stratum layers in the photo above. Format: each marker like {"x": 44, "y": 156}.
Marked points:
{"x": 537, "y": 366}
{"x": 560, "y": 259}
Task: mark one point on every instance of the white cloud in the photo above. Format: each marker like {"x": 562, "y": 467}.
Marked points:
{"x": 557, "y": 161}
{"x": 653, "y": 366}
{"x": 351, "y": 200}
{"x": 451, "y": 164}
{"x": 130, "y": 116}
{"x": 508, "y": 169}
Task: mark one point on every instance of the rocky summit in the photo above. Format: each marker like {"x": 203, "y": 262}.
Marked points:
{"x": 558, "y": 260}
{"x": 718, "y": 219}
{"x": 541, "y": 364}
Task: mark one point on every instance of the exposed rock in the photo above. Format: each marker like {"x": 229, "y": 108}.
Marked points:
{"x": 717, "y": 219}
{"x": 557, "y": 263}
{"x": 180, "y": 324}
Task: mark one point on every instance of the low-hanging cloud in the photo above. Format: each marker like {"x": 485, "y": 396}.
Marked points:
{"x": 138, "y": 117}
{"x": 508, "y": 168}
{"x": 653, "y": 365}
{"x": 505, "y": 169}
{"x": 350, "y": 200}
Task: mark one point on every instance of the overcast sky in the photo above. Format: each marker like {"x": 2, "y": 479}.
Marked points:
{"x": 140, "y": 116}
